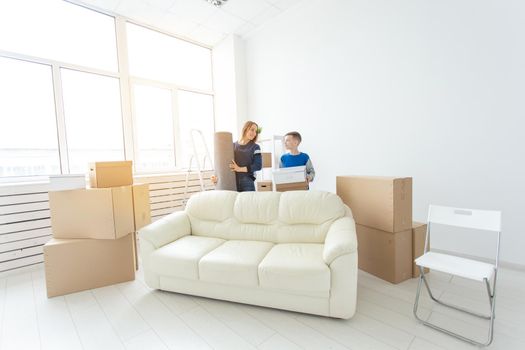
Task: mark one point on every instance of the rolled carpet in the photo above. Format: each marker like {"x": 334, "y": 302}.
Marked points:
{"x": 223, "y": 142}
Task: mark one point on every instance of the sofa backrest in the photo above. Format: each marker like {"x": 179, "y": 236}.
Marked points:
{"x": 295, "y": 216}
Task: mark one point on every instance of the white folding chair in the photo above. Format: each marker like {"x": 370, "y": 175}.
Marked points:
{"x": 467, "y": 268}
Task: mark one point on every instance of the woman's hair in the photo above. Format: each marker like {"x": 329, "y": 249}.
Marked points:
{"x": 247, "y": 126}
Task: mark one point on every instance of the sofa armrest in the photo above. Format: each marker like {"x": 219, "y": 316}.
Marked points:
{"x": 166, "y": 230}
{"x": 340, "y": 240}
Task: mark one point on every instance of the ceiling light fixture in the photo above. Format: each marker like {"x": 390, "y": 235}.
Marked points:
{"x": 216, "y": 3}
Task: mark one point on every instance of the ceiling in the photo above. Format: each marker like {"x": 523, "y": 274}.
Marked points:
{"x": 197, "y": 19}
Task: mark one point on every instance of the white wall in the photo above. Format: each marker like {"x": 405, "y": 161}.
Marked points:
{"x": 428, "y": 89}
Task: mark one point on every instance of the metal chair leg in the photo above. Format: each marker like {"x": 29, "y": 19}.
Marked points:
{"x": 490, "y": 317}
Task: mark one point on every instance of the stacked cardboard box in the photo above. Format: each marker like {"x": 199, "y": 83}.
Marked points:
{"x": 382, "y": 209}
{"x": 265, "y": 185}
{"x": 266, "y": 159}
{"x": 94, "y": 240}
{"x": 419, "y": 233}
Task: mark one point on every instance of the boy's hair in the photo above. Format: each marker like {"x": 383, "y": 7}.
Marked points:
{"x": 248, "y": 125}
{"x": 295, "y": 135}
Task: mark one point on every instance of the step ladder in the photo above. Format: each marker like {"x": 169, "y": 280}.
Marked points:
{"x": 275, "y": 145}
{"x": 195, "y": 136}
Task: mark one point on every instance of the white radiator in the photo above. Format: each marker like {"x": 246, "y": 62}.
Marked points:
{"x": 25, "y": 225}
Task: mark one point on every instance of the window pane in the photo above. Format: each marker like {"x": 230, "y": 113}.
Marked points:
{"x": 161, "y": 57}
{"x": 93, "y": 119}
{"x": 153, "y": 128}
{"x": 195, "y": 112}
{"x": 58, "y": 30}
{"x": 28, "y": 133}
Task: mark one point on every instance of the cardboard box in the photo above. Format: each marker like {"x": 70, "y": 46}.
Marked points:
{"x": 294, "y": 186}
{"x": 141, "y": 205}
{"x": 98, "y": 213}
{"x": 110, "y": 174}
{"x": 266, "y": 159}
{"x": 67, "y": 182}
{"x": 289, "y": 175}
{"x": 384, "y": 203}
{"x": 73, "y": 265}
{"x": 419, "y": 233}
{"x": 136, "y": 249}
{"x": 384, "y": 254}
{"x": 264, "y": 186}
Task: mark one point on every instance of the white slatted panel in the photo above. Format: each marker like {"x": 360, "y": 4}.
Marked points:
{"x": 25, "y": 225}
{"x": 167, "y": 192}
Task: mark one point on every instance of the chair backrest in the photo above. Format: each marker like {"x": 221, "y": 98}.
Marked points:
{"x": 484, "y": 220}
{"x": 489, "y": 220}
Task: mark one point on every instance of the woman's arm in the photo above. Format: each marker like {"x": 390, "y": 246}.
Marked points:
{"x": 238, "y": 169}
{"x": 255, "y": 165}
{"x": 257, "y": 160}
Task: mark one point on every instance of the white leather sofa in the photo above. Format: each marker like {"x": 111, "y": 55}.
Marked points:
{"x": 294, "y": 250}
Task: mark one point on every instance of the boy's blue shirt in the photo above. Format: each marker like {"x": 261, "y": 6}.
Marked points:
{"x": 289, "y": 160}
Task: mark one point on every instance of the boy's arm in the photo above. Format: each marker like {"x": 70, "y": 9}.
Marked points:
{"x": 310, "y": 171}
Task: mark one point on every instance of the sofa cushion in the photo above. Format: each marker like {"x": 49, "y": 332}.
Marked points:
{"x": 303, "y": 233}
{"x": 309, "y": 207}
{"x": 257, "y": 207}
{"x": 234, "y": 262}
{"x": 211, "y": 205}
{"x": 295, "y": 267}
{"x": 181, "y": 257}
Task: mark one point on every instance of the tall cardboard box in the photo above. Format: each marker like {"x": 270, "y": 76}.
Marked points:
{"x": 110, "y": 174}
{"x": 384, "y": 254}
{"x": 73, "y": 265}
{"x": 141, "y": 205}
{"x": 419, "y": 232}
{"x": 97, "y": 213}
{"x": 384, "y": 203}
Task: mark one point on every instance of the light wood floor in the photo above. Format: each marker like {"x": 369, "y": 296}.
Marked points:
{"x": 131, "y": 316}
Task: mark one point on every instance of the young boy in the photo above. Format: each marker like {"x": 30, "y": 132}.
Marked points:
{"x": 294, "y": 157}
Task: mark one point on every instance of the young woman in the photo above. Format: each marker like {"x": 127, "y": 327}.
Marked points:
{"x": 247, "y": 158}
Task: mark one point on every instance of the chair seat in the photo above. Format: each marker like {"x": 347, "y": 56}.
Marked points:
{"x": 467, "y": 268}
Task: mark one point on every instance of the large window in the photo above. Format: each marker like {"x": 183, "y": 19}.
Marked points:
{"x": 70, "y": 95}
{"x": 93, "y": 119}
{"x": 28, "y": 133}
{"x": 164, "y": 116}
{"x": 58, "y": 30}
{"x": 195, "y": 112}
{"x": 154, "y": 127}
{"x": 161, "y": 57}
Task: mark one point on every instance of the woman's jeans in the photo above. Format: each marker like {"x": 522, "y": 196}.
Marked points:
{"x": 244, "y": 183}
